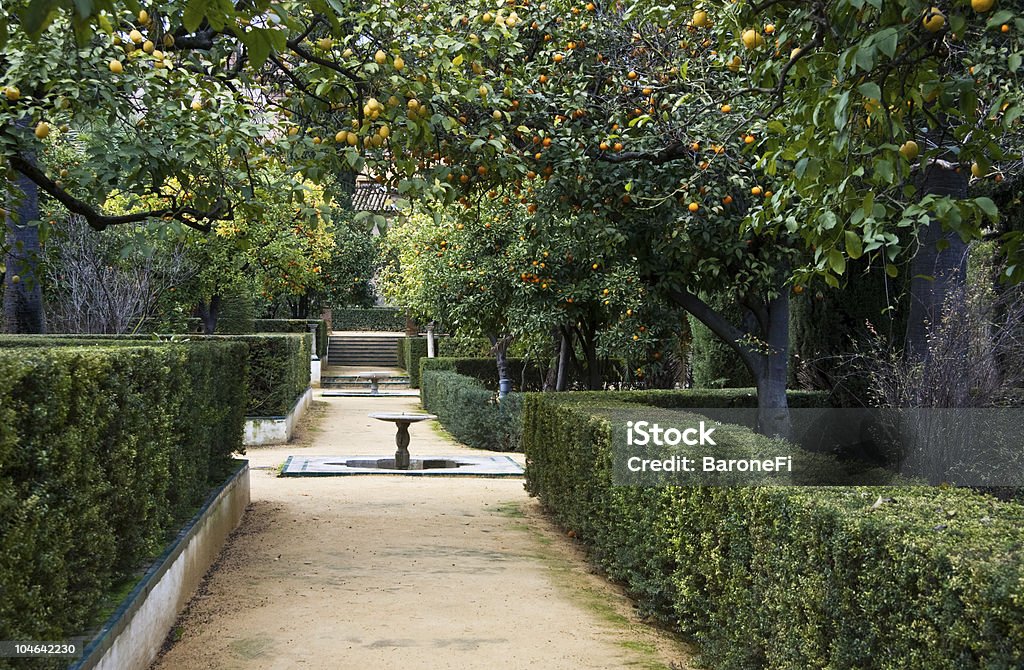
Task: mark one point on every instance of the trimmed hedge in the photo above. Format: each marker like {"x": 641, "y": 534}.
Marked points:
{"x": 527, "y": 375}
{"x": 467, "y": 407}
{"x": 104, "y": 450}
{"x": 295, "y": 326}
{"x": 411, "y": 350}
{"x": 486, "y": 371}
{"x": 375, "y": 319}
{"x": 471, "y": 413}
{"x": 279, "y": 371}
{"x": 696, "y": 398}
{"x": 791, "y": 578}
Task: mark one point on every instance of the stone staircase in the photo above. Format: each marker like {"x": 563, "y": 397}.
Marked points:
{"x": 350, "y": 353}
{"x": 366, "y": 350}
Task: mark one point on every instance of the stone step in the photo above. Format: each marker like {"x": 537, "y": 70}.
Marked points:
{"x": 378, "y": 351}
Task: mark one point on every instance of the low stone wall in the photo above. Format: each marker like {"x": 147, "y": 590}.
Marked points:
{"x": 133, "y": 636}
{"x": 264, "y": 430}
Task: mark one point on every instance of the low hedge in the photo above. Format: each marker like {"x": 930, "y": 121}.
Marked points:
{"x": 791, "y": 578}
{"x": 527, "y": 375}
{"x": 104, "y": 451}
{"x": 374, "y": 319}
{"x": 295, "y": 326}
{"x": 696, "y": 398}
{"x": 471, "y": 413}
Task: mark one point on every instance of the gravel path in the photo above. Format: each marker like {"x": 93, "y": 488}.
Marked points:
{"x": 380, "y": 572}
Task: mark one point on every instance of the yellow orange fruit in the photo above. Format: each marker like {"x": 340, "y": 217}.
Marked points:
{"x": 934, "y": 20}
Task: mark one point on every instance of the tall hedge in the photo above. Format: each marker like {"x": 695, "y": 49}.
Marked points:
{"x": 279, "y": 371}
{"x": 103, "y": 451}
{"x": 410, "y": 351}
{"x": 295, "y": 326}
{"x": 277, "y": 368}
{"x": 713, "y": 363}
{"x": 471, "y": 413}
{"x": 791, "y": 578}
{"x": 383, "y": 319}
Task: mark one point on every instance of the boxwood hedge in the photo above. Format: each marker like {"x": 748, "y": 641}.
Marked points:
{"x": 791, "y": 578}
{"x": 374, "y": 319}
{"x": 295, "y": 326}
{"x": 103, "y": 450}
{"x": 471, "y": 413}
{"x": 277, "y": 369}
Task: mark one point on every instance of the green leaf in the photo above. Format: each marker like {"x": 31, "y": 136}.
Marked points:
{"x": 194, "y": 13}
{"x": 37, "y": 16}
{"x": 837, "y": 261}
{"x": 854, "y": 245}
{"x": 839, "y": 115}
{"x": 870, "y": 89}
{"x": 891, "y": 270}
{"x": 999, "y": 18}
{"x": 887, "y": 41}
{"x": 989, "y": 207}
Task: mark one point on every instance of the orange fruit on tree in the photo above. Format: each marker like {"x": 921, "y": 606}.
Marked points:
{"x": 756, "y": 191}
{"x": 693, "y": 206}
{"x": 933, "y": 20}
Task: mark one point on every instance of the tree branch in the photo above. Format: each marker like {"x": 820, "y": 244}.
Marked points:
{"x": 716, "y": 323}
{"x": 193, "y": 218}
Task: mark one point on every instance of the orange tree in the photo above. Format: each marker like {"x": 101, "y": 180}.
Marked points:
{"x": 741, "y": 145}
{"x": 724, "y": 144}
{"x": 491, "y": 270}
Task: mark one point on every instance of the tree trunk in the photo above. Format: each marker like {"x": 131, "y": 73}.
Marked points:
{"x": 935, "y": 273}
{"x": 564, "y": 350}
{"x": 769, "y": 367}
{"x": 773, "y": 373}
{"x": 208, "y": 313}
{"x": 23, "y": 289}
{"x": 499, "y": 345}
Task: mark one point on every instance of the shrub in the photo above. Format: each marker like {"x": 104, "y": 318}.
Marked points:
{"x": 410, "y": 351}
{"x": 713, "y": 362}
{"x": 103, "y": 451}
{"x": 790, "y": 578}
{"x": 295, "y": 326}
{"x": 471, "y": 413}
{"x": 376, "y": 318}
{"x": 527, "y": 375}
{"x": 279, "y": 371}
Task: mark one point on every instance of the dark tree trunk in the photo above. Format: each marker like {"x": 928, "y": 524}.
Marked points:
{"x": 769, "y": 365}
{"x": 208, "y": 311}
{"x": 935, "y": 273}
{"x": 23, "y": 289}
{"x": 551, "y": 375}
{"x": 771, "y": 380}
{"x": 564, "y": 352}
{"x": 587, "y": 336}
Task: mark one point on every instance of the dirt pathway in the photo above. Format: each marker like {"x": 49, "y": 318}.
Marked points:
{"x": 402, "y": 572}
